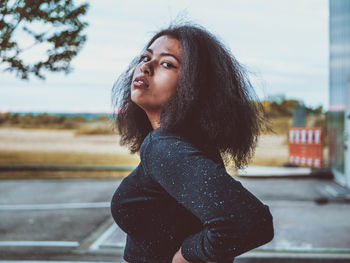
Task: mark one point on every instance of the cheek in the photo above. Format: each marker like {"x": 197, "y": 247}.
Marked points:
{"x": 169, "y": 85}
{"x": 166, "y": 93}
{"x": 174, "y": 86}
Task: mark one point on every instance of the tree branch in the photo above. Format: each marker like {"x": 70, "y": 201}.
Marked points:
{"x": 67, "y": 39}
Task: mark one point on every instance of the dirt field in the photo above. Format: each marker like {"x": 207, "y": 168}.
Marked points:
{"x": 60, "y": 144}
{"x": 58, "y": 141}
{"x": 272, "y": 150}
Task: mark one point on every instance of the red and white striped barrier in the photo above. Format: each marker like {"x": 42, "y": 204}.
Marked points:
{"x": 305, "y": 147}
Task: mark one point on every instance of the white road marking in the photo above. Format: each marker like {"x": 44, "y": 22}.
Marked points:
{"x": 39, "y": 244}
{"x": 55, "y": 206}
{"x": 103, "y": 237}
{"x": 331, "y": 190}
{"x": 286, "y": 203}
{"x": 107, "y": 204}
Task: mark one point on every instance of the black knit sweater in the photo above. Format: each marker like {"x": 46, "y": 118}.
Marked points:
{"x": 178, "y": 197}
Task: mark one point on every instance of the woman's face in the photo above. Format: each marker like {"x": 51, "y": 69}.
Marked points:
{"x": 156, "y": 76}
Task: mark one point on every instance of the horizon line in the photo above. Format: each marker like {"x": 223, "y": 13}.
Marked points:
{"x": 38, "y": 110}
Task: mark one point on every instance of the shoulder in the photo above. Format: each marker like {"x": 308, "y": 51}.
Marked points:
{"x": 166, "y": 155}
{"x": 161, "y": 145}
{"x": 162, "y": 148}
{"x": 160, "y": 141}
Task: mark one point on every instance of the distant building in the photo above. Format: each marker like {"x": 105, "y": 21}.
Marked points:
{"x": 339, "y": 90}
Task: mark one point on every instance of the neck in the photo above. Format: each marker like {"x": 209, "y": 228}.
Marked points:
{"x": 153, "y": 119}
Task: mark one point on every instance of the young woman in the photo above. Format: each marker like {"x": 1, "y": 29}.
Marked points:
{"x": 185, "y": 104}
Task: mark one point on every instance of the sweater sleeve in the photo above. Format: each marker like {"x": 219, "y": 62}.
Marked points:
{"x": 234, "y": 220}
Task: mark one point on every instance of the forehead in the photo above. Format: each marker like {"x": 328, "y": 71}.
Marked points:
{"x": 166, "y": 44}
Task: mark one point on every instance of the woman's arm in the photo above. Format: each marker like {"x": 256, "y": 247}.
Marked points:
{"x": 178, "y": 258}
{"x": 234, "y": 220}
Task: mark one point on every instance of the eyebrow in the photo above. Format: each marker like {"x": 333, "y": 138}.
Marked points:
{"x": 164, "y": 54}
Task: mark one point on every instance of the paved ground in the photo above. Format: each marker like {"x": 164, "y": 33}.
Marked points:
{"x": 63, "y": 212}
{"x": 69, "y": 220}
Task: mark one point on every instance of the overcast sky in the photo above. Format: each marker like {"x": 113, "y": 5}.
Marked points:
{"x": 282, "y": 43}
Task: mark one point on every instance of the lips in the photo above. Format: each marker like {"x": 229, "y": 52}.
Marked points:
{"x": 140, "y": 82}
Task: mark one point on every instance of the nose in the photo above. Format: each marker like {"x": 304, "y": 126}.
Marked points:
{"x": 147, "y": 68}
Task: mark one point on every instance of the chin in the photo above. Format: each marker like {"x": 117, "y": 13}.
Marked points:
{"x": 138, "y": 102}
{"x": 135, "y": 98}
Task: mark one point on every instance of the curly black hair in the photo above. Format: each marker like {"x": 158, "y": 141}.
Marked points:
{"x": 214, "y": 105}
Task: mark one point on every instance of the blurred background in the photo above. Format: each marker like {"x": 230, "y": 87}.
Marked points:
{"x": 282, "y": 44}
{"x": 58, "y": 63}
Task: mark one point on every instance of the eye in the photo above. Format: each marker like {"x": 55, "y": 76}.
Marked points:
{"x": 167, "y": 65}
{"x": 144, "y": 58}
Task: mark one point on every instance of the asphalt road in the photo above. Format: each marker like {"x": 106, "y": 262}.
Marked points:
{"x": 63, "y": 219}
{"x": 51, "y": 219}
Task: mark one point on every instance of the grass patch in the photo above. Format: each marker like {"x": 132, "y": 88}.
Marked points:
{"x": 65, "y": 158}
{"x": 279, "y": 125}
{"x": 94, "y": 131}
{"x": 268, "y": 161}
{"x": 62, "y": 174}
